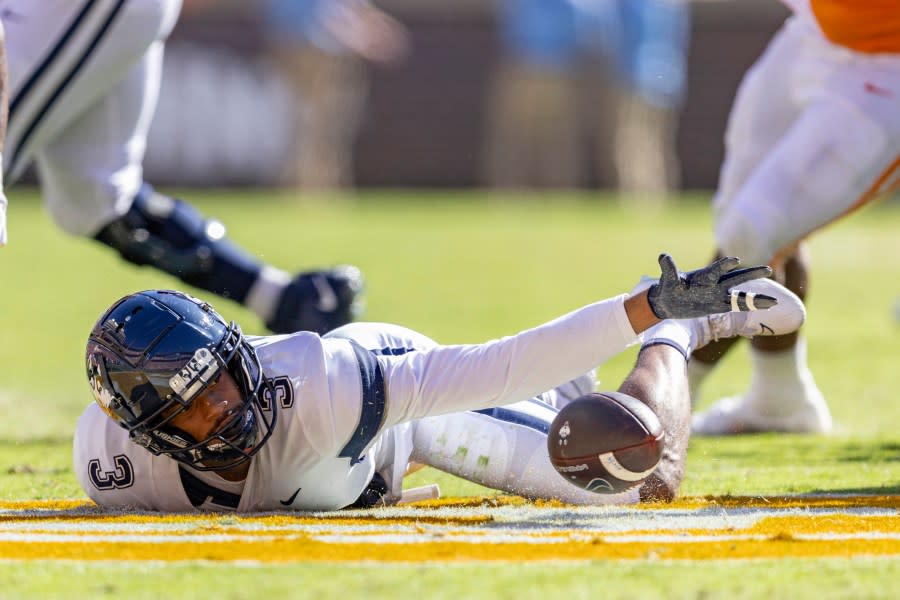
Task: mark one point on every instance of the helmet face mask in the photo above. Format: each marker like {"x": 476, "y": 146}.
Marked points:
{"x": 153, "y": 353}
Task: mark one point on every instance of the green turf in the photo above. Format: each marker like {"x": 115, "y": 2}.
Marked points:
{"x": 466, "y": 267}
{"x": 772, "y": 580}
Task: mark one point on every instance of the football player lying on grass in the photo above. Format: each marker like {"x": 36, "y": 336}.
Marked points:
{"x": 192, "y": 414}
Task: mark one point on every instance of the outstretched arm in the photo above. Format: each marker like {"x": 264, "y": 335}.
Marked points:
{"x": 447, "y": 379}
{"x": 454, "y": 378}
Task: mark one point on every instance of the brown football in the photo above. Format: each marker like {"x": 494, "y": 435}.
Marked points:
{"x": 605, "y": 442}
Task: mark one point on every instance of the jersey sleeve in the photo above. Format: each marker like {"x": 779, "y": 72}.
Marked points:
{"x": 117, "y": 473}
{"x": 448, "y": 379}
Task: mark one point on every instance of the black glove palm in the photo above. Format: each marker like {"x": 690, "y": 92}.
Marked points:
{"x": 705, "y": 291}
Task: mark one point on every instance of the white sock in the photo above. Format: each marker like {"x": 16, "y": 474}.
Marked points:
{"x": 678, "y": 334}
{"x": 266, "y": 291}
{"x": 778, "y": 378}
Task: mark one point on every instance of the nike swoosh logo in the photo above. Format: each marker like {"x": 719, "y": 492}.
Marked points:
{"x": 328, "y": 301}
{"x": 290, "y": 500}
{"x": 763, "y": 328}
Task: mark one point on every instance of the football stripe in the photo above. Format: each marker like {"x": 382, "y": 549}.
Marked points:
{"x": 618, "y": 470}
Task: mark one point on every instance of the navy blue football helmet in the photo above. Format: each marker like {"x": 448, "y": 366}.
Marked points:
{"x": 152, "y": 353}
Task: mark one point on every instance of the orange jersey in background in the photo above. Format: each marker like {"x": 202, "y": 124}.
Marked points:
{"x": 871, "y": 26}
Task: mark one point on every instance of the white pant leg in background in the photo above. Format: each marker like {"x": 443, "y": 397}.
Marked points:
{"x": 759, "y": 116}
{"x": 84, "y": 77}
{"x": 813, "y": 134}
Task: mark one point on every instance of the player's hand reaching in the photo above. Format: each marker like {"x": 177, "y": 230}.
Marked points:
{"x": 705, "y": 291}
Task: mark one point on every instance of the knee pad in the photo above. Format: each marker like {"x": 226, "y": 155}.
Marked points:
{"x": 171, "y": 235}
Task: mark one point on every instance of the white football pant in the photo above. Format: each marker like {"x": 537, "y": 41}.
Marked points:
{"x": 813, "y": 134}
{"x": 84, "y": 79}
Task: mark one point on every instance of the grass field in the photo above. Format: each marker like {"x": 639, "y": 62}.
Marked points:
{"x": 463, "y": 267}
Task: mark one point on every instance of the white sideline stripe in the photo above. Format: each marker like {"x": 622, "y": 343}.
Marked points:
{"x": 523, "y": 520}
{"x": 607, "y": 514}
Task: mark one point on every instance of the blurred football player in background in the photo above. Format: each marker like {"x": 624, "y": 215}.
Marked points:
{"x": 532, "y": 137}
{"x": 647, "y": 48}
{"x": 814, "y": 134}
{"x": 191, "y": 414}
{"x": 610, "y": 71}
{"x": 84, "y": 79}
{"x": 323, "y": 49}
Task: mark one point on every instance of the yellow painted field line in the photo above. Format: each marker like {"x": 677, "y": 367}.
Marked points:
{"x": 455, "y": 530}
{"x": 307, "y": 550}
{"x": 831, "y": 523}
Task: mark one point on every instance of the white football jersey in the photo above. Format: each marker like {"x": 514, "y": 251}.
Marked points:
{"x": 340, "y": 398}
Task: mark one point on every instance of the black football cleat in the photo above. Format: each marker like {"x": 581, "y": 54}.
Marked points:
{"x": 319, "y": 301}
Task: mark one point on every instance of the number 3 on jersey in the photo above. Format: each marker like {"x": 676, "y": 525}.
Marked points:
{"x": 282, "y": 390}
{"x": 122, "y": 476}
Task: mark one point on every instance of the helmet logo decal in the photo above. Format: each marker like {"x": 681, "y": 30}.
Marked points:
{"x": 196, "y": 374}
{"x": 96, "y": 374}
